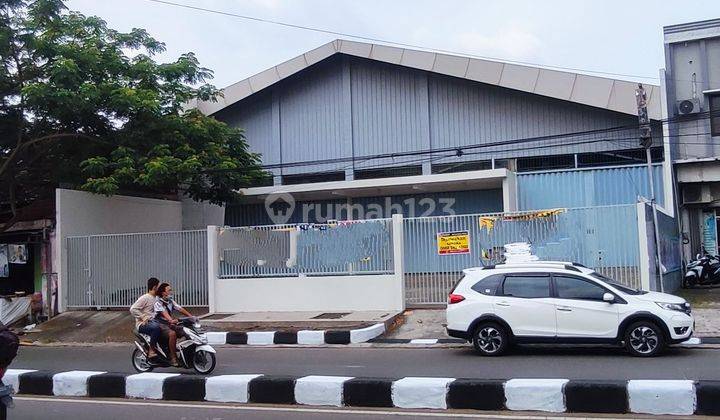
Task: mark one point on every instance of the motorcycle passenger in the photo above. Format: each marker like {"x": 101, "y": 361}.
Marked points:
{"x": 164, "y": 307}
{"x": 144, "y": 312}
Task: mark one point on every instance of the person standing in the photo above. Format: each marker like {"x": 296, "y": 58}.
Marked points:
{"x": 144, "y": 312}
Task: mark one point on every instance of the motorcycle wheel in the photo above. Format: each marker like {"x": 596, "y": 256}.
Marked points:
{"x": 203, "y": 362}
{"x": 139, "y": 362}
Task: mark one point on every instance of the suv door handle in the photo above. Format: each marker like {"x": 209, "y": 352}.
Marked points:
{"x": 502, "y": 304}
{"x": 564, "y": 308}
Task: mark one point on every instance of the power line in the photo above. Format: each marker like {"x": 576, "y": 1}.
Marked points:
{"x": 433, "y": 159}
{"x": 424, "y": 159}
{"x": 464, "y": 148}
{"x": 386, "y": 41}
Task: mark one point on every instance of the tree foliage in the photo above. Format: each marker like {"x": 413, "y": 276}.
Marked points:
{"x": 86, "y": 105}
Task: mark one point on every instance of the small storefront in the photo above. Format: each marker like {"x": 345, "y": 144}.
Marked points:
{"x": 21, "y": 273}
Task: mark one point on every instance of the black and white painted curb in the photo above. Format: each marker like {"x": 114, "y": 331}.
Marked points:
{"x": 678, "y": 397}
{"x": 314, "y": 337}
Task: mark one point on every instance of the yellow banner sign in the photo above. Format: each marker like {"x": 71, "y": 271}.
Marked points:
{"x": 450, "y": 243}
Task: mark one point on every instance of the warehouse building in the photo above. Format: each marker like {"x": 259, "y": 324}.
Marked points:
{"x": 375, "y": 130}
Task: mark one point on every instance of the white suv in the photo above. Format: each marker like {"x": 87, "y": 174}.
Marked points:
{"x": 560, "y": 302}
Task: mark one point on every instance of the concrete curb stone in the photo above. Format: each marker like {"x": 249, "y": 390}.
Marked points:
{"x": 315, "y": 337}
{"x": 678, "y": 397}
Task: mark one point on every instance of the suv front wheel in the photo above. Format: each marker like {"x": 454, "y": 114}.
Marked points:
{"x": 490, "y": 339}
{"x": 644, "y": 339}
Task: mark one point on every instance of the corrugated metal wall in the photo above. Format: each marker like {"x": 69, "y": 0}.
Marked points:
{"x": 311, "y": 119}
{"x": 256, "y": 120}
{"x": 389, "y": 111}
{"x": 466, "y": 113}
{"x": 346, "y": 107}
{"x": 587, "y": 187}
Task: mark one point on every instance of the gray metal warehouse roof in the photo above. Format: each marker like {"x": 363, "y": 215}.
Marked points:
{"x": 600, "y": 92}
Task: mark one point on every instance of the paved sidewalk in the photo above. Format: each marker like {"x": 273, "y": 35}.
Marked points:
{"x": 706, "y": 310}
{"x": 296, "y": 320}
{"x": 420, "y": 323}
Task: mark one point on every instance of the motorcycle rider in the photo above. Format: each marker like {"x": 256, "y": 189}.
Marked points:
{"x": 144, "y": 312}
{"x": 8, "y": 350}
{"x": 164, "y": 307}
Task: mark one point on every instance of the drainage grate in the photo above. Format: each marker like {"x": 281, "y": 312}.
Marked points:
{"x": 331, "y": 315}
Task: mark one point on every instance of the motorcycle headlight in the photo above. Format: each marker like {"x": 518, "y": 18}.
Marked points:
{"x": 680, "y": 307}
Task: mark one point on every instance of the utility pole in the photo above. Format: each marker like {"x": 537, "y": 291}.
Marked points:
{"x": 646, "y": 142}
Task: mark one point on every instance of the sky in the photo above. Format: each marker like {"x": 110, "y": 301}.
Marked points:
{"x": 623, "y": 37}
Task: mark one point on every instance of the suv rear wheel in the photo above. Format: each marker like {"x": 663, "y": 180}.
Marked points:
{"x": 644, "y": 339}
{"x": 490, "y": 339}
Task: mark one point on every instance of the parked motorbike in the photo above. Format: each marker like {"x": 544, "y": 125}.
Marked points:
{"x": 703, "y": 270}
{"x": 193, "y": 351}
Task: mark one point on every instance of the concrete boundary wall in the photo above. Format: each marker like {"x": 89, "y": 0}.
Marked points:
{"x": 80, "y": 213}
{"x": 655, "y": 397}
{"x": 353, "y": 292}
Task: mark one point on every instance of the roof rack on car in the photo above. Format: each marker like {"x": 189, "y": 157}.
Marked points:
{"x": 529, "y": 264}
{"x": 539, "y": 262}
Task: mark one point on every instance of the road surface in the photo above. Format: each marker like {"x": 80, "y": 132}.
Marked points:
{"x": 568, "y": 363}
{"x": 79, "y": 409}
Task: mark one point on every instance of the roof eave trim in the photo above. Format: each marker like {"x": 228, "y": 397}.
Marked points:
{"x": 604, "y": 93}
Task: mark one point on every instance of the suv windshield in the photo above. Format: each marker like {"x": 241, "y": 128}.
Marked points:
{"x": 623, "y": 288}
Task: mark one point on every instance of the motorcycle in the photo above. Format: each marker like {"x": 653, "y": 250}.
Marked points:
{"x": 703, "y": 270}
{"x": 193, "y": 350}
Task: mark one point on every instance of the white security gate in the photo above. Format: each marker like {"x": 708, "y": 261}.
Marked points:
{"x": 604, "y": 238}
{"x": 112, "y": 270}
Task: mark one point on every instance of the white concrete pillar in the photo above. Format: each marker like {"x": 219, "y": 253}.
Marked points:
{"x": 59, "y": 254}
{"x": 213, "y": 254}
{"x": 643, "y": 247}
{"x": 399, "y": 257}
{"x": 509, "y": 189}
{"x": 667, "y": 171}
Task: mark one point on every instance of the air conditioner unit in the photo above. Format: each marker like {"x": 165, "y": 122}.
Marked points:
{"x": 689, "y": 106}
{"x": 697, "y": 194}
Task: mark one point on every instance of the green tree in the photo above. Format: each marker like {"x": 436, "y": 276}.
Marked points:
{"x": 85, "y": 105}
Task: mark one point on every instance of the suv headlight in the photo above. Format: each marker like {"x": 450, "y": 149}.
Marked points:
{"x": 680, "y": 307}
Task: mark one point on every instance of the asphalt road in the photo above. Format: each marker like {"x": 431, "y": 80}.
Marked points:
{"x": 570, "y": 363}
{"x": 78, "y": 409}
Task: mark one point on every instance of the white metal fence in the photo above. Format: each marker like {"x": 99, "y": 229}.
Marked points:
{"x": 343, "y": 248}
{"x": 112, "y": 270}
{"x": 604, "y": 238}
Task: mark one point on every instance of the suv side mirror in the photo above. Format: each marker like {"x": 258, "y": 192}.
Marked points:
{"x": 609, "y": 298}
